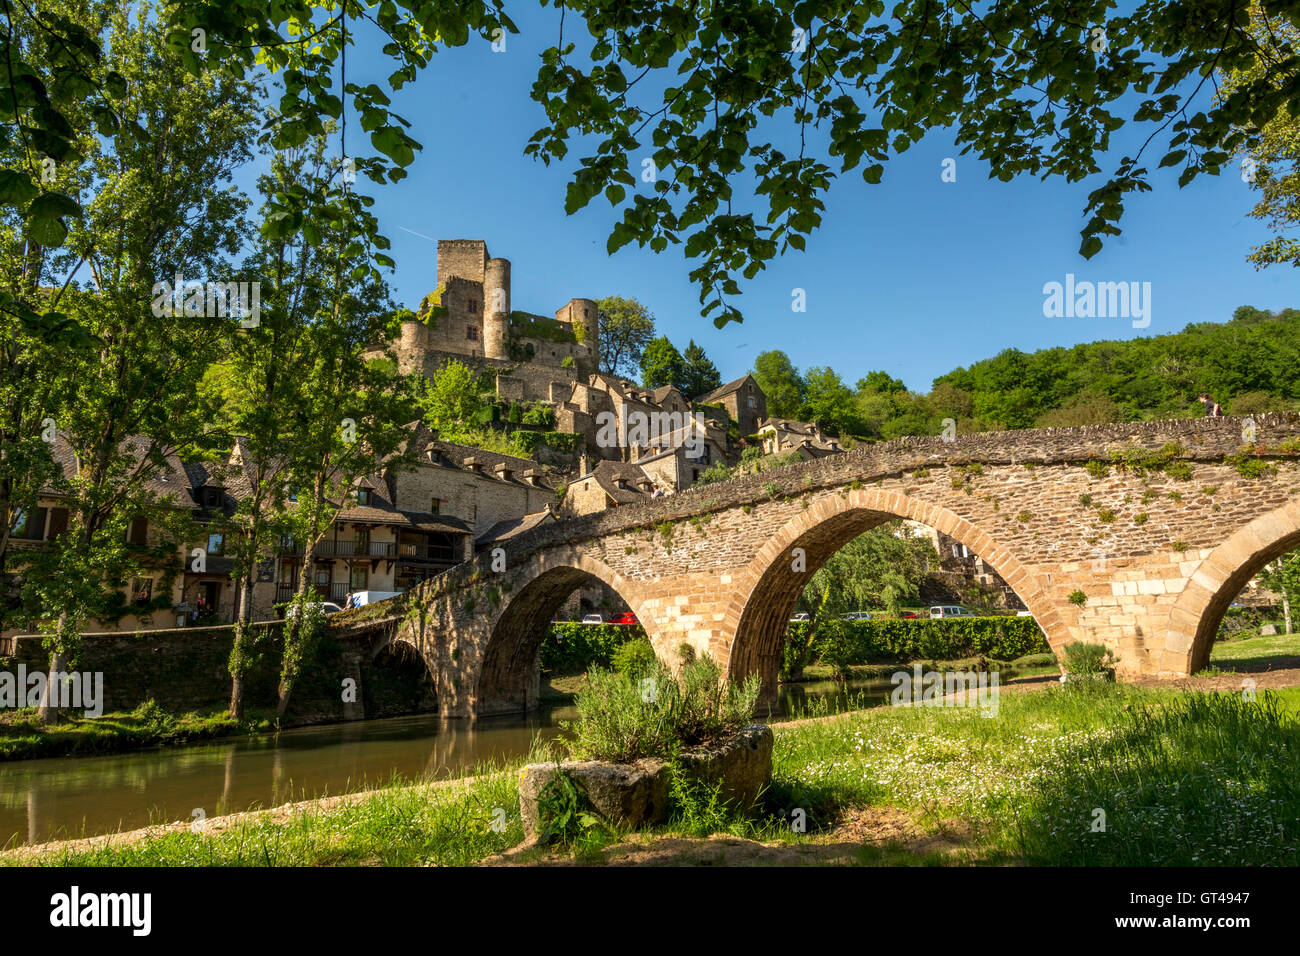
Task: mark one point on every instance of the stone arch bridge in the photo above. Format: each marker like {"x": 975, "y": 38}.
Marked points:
{"x": 1134, "y": 536}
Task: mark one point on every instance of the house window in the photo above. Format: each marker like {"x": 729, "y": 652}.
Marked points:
{"x": 471, "y": 333}
{"x": 359, "y": 577}
{"x": 752, "y": 402}
{"x": 138, "y": 533}
{"x": 214, "y": 543}
{"x": 29, "y": 524}
{"x": 361, "y": 543}
{"x": 288, "y": 574}
{"x": 141, "y": 590}
{"x": 323, "y": 576}
{"x": 433, "y": 505}
{"x": 363, "y": 497}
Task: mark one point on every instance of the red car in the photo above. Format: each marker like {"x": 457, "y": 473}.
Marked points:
{"x": 627, "y": 619}
{"x": 909, "y": 615}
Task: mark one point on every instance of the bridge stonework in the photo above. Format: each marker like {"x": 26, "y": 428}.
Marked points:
{"x": 1142, "y": 559}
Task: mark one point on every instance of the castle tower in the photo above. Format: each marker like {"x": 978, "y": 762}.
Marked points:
{"x": 584, "y": 316}
{"x": 496, "y": 308}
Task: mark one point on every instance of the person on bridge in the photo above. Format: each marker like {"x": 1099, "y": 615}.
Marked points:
{"x": 1212, "y": 408}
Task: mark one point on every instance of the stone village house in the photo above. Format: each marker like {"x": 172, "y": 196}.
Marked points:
{"x": 400, "y": 526}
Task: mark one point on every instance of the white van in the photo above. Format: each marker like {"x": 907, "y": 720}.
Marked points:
{"x": 361, "y": 598}
{"x": 950, "y": 610}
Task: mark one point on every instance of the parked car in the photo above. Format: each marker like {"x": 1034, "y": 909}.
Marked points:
{"x": 592, "y": 619}
{"x": 950, "y": 610}
{"x": 327, "y": 607}
{"x": 909, "y": 615}
{"x": 856, "y": 616}
{"x": 626, "y": 619}
{"x": 800, "y": 617}
{"x": 1023, "y": 614}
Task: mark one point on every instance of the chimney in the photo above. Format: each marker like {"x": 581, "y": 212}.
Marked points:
{"x": 503, "y": 471}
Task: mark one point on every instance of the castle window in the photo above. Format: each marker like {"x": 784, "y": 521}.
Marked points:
{"x": 471, "y": 333}
{"x": 472, "y": 305}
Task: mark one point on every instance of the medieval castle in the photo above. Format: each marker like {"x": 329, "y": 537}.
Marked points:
{"x": 469, "y": 315}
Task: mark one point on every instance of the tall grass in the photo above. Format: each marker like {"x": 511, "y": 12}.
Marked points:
{"x": 652, "y": 712}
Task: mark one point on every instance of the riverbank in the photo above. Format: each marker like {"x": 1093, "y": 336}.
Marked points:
{"x": 1183, "y": 778}
{"x": 1272, "y": 661}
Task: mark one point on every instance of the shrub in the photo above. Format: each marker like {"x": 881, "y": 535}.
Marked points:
{"x": 1089, "y": 660}
{"x": 891, "y": 641}
{"x": 1097, "y": 469}
{"x": 571, "y": 648}
{"x": 540, "y": 415}
{"x": 635, "y": 658}
{"x": 622, "y": 718}
{"x": 1078, "y": 598}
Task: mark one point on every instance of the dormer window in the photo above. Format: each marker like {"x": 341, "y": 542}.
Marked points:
{"x": 363, "y": 497}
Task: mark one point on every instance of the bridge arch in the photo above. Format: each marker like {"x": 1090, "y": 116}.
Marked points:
{"x": 766, "y": 591}
{"x": 508, "y": 675}
{"x": 1196, "y": 615}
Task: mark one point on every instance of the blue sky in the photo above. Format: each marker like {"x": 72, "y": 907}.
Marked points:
{"x": 915, "y": 276}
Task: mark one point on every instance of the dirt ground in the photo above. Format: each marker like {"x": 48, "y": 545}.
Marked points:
{"x": 881, "y": 835}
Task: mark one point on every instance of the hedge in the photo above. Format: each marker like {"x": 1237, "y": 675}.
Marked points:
{"x": 899, "y": 641}
{"x": 572, "y": 647}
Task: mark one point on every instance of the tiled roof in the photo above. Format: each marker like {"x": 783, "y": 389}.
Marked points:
{"x": 723, "y": 390}
{"x": 427, "y": 521}
{"x": 512, "y": 527}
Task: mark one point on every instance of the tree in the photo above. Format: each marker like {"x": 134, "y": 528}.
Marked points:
{"x": 343, "y": 418}
{"x": 626, "y": 328}
{"x": 881, "y": 382}
{"x": 877, "y": 569}
{"x": 662, "y": 365}
{"x": 701, "y": 375}
{"x": 1283, "y": 576}
{"x": 1272, "y": 165}
{"x": 451, "y": 397}
{"x": 828, "y": 402}
{"x": 780, "y": 382}
{"x": 154, "y": 204}
{"x": 1032, "y": 88}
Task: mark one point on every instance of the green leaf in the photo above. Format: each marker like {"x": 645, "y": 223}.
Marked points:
{"x": 52, "y": 206}
{"x": 16, "y": 188}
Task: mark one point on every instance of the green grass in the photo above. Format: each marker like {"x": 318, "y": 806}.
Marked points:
{"x": 1184, "y": 779}
{"x": 23, "y": 737}
{"x": 400, "y": 825}
{"x": 1249, "y": 648}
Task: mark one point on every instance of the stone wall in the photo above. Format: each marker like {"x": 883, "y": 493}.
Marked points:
{"x": 186, "y": 669}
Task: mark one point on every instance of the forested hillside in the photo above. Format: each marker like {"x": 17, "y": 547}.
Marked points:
{"x": 1249, "y": 364}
